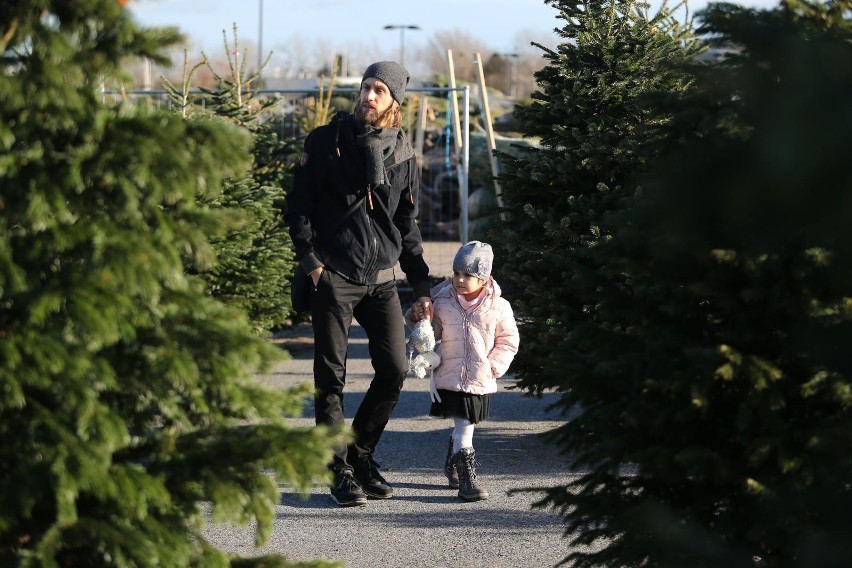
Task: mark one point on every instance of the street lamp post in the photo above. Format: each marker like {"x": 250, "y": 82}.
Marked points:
{"x": 260, "y": 44}
{"x": 401, "y": 29}
{"x": 513, "y": 73}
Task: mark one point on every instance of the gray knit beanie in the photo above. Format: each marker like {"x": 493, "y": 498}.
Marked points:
{"x": 475, "y": 258}
{"x": 391, "y": 74}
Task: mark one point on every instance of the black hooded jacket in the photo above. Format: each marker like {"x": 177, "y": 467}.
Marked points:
{"x": 330, "y": 177}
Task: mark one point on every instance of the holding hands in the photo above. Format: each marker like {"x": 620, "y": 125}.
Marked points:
{"x": 421, "y": 309}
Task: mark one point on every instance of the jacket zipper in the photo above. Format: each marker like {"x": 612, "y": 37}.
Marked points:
{"x": 466, "y": 342}
{"x": 375, "y": 245}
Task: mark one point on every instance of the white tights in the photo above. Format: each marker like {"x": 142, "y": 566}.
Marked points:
{"x": 462, "y": 434}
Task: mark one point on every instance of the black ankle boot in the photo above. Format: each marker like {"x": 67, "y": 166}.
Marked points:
{"x": 450, "y": 467}
{"x": 465, "y": 462}
{"x": 371, "y": 481}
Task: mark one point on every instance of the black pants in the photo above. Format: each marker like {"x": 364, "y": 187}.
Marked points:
{"x": 377, "y": 308}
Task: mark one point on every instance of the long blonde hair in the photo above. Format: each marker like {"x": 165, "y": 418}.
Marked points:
{"x": 391, "y": 118}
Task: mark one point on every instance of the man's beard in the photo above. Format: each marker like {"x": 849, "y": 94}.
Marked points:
{"x": 372, "y": 116}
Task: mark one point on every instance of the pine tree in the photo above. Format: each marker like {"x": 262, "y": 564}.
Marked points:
{"x": 595, "y": 135}
{"x": 710, "y": 380}
{"x": 127, "y": 397}
{"x": 599, "y": 134}
{"x": 254, "y": 256}
{"x": 728, "y": 377}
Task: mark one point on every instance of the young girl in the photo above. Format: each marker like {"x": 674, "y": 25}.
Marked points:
{"x": 478, "y": 340}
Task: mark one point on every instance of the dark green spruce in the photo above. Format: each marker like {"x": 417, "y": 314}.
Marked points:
{"x": 700, "y": 345}
{"x": 254, "y": 254}
{"x": 128, "y": 413}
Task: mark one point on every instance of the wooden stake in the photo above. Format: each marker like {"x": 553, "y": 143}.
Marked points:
{"x": 454, "y": 101}
{"x": 489, "y": 129}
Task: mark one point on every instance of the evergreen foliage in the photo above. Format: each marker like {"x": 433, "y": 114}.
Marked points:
{"x": 708, "y": 375}
{"x": 596, "y": 138}
{"x": 127, "y": 401}
{"x": 254, "y": 256}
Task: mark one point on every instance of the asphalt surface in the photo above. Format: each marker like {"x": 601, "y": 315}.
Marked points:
{"x": 425, "y": 524}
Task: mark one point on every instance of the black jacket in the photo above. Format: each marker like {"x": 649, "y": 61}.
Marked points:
{"x": 330, "y": 177}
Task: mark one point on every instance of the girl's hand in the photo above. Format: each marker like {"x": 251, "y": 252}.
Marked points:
{"x": 424, "y": 304}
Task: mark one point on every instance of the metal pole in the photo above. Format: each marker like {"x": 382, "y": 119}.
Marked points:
{"x": 465, "y": 184}
{"x": 260, "y": 44}
{"x": 401, "y": 28}
{"x": 513, "y": 87}
{"x": 513, "y": 73}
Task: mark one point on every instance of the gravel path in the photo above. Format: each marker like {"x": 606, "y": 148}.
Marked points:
{"x": 425, "y": 524}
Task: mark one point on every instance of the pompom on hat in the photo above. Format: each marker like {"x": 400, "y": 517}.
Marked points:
{"x": 475, "y": 258}
{"x": 391, "y": 74}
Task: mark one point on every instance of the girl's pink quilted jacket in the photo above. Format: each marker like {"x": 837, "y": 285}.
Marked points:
{"x": 477, "y": 347}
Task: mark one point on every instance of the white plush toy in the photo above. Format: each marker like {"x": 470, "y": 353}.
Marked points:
{"x": 422, "y": 340}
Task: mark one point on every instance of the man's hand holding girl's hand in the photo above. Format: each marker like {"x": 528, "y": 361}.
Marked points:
{"x": 422, "y": 308}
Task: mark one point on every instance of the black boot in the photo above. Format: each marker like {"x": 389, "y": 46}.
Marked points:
{"x": 465, "y": 462}
{"x": 346, "y": 492}
{"x": 371, "y": 481}
{"x": 450, "y": 467}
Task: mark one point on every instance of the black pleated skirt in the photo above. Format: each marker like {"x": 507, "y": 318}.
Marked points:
{"x": 473, "y": 407}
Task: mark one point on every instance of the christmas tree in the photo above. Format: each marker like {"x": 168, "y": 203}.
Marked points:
{"x": 254, "y": 256}
{"x": 724, "y": 357}
{"x": 709, "y": 381}
{"x": 596, "y": 136}
{"x": 127, "y": 397}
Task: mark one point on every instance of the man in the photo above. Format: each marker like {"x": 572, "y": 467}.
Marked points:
{"x": 351, "y": 212}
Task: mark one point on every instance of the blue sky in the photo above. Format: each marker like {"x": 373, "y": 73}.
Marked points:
{"x": 500, "y": 24}
{"x": 338, "y": 21}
